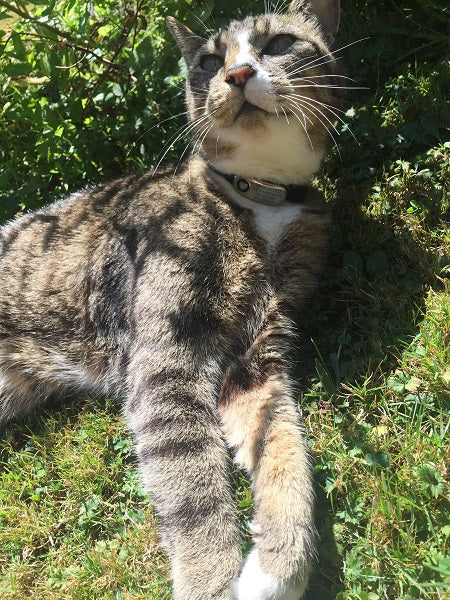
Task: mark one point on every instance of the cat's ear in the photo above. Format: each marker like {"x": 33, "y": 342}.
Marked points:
{"x": 186, "y": 39}
{"x": 326, "y": 11}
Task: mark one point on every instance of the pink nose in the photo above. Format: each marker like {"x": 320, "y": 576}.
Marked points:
{"x": 239, "y": 74}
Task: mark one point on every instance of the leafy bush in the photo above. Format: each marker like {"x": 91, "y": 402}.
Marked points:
{"x": 89, "y": 90}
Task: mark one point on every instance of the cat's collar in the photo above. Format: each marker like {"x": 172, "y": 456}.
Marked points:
{"x": 264, "y": 192}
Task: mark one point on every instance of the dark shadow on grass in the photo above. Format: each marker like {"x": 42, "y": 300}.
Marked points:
{"x": 327, "y": 575}
{"x": 371, "y": 299}
{"x": 358, "y": 320}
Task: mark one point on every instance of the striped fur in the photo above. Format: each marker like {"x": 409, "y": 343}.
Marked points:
{"x": 174, "y": 295}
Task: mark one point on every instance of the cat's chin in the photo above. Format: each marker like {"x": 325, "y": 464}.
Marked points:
{"x": 263, "y": 146}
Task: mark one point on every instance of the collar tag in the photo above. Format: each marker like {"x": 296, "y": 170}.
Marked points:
{"x": 260, "y": 191}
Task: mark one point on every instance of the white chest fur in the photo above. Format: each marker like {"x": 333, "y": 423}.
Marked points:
{"x": 270, "y": 221}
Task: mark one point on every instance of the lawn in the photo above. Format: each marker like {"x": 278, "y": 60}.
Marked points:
{"x": 374, "y": 354}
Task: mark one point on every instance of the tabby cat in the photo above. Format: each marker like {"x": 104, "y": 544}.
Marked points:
{"x": 177, "y": 293}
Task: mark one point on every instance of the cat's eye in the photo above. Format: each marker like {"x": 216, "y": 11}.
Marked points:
{"x": 211, "y": 63}
{"x": 279, "y": 44}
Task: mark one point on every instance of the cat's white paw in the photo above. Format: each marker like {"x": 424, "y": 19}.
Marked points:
{"x": 254, "y": 584}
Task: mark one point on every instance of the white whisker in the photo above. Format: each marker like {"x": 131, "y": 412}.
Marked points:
{"x": 181, "y": 157}
{"x": 280, "y": 7}
{"x": 185, "y": 112}
{"x": 306, "y": 100}
{"x": 309, "y": 77}
{"x": 207, "y": 29}
{"x": 330, "y": 87}
{"x": 332, "y": 54}
{"x": 187, "y": 147}
{"x": 204, "y": 137}
{"x": 331, "y": 109}
{"x": 291, "y": 101}
{"x": 287, "y": 120}
{"x": 310, "y": 66}
{"x": 204, "y": 127}
{"x": 291, "y": 106}
{"x": 314, "y": 110}
{"x": 183, "y": 131}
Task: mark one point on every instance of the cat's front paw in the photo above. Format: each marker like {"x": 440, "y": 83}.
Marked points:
{"x": 254, "y": 584}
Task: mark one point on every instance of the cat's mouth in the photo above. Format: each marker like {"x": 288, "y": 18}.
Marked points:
{"x": 239, "y": 110}
{"x": 248, "y": 109}
{"x": 248, "y": 106}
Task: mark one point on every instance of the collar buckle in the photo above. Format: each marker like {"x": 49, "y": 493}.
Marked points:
{"x": 263, "y": 192}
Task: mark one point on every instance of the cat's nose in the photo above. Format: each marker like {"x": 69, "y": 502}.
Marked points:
{"x": 238, "y": 74}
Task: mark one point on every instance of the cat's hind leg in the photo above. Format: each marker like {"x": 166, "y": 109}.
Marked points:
{"x": 20, "y": 393}
{"x": 31, "y": 372}
{"x": 261, "y": 423}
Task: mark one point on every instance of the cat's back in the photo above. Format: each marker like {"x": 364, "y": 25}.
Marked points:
{"x": 47, "y": 253}
{"x": 166, "y": 258}
{"x": 155, "y": 206}
{"x": 81, "y": 258}
{"x": 93, "y": 213}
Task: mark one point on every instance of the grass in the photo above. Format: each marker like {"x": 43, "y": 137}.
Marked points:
{"x": 74, "y": 521}
{"x": 380, "y": 445}
{"x": 375, "y": 372}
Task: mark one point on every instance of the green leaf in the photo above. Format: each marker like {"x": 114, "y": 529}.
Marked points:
{"x": 17, "y": 69}
{"x": 352, "y": 261}
{"x": 376, "y": 263}
{"x": 334, "y": 359}
{"x": 431, "y": 479}
{"x": 143, "y": 53}
{"x": 183, "y": 69}
{"x": 19, "y": 46}
{"x": 59, "y": 131}
{"x": 327, "y": 383}
{"x": 76, "y": 110}
{"x": 49, "y": 9}
{"x": 45, "y": 64}
{"x": 398, "y": 382}
{"x": 46, "y": 33}
{"x": 354, "y": 451}
{"x": 245, "y": 503}
{"x": 383, "y": 459}
{"x": 330, "y": 484}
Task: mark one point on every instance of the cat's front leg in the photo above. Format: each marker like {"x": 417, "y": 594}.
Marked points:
{"x": 261, "y": 423}
{"x": 183, "y": 461}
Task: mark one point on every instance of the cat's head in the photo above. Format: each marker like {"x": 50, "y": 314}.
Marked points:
{"x": 261, "y": 93}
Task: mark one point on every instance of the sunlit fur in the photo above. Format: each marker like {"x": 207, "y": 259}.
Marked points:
{"x": 178, "y": 296}
{"x": 277, "y": 126}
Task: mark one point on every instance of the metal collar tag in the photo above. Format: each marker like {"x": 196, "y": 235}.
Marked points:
{"x": 260, "y": 191}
